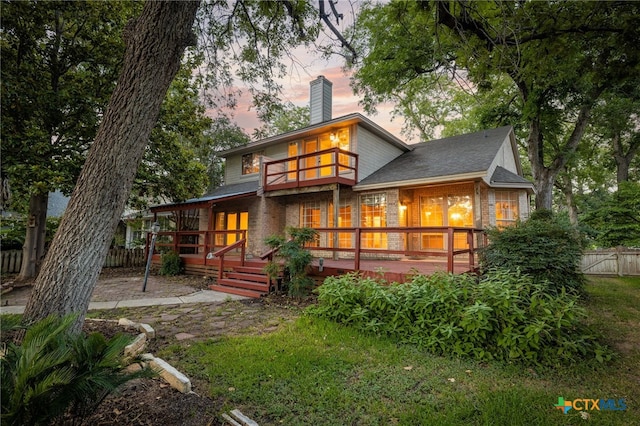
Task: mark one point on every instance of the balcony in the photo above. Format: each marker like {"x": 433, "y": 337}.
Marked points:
{"x": 328, "y": 166}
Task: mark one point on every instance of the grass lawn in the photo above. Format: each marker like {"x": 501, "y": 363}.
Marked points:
{"x": 312, "y": 372}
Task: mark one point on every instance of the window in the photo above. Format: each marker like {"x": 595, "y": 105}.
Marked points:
{"x": 230, "y": 221}
{"x": 344, "y": 221}
{"x": 432, "y": 214}
{"x": 451, "y": 210}
{"x": 251, "y": 163}
{"x": 373, "y": 214}
{"x": 310, "y": 217}
{"x": 506, "y": 208}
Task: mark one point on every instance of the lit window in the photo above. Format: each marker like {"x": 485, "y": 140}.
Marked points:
{"x": 344, "y": 221}
{"x": 251, "y": 163}
{"x": 310, "y": 217}
{"x": 373, "y": 214}
{"x": 506, "y": 208}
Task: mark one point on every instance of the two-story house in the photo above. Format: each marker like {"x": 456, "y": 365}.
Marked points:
{"x": 369, "y": 195}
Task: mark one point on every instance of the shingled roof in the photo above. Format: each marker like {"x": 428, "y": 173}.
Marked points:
{"x": 221, "y": 193}
{"x": 462, "y": 155}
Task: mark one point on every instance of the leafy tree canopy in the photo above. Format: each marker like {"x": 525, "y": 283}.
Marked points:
{"x": 543, "y": 66}
{"x": 614, "y": 220}
{"x": 60, "y": 62}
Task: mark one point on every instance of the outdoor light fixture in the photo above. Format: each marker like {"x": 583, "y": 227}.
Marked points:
{"x": 155, "y": 228}
{"x": 320, "y": 264}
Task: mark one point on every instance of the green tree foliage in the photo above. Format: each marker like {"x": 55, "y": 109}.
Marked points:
{"x": 53, "y": 373}
{"x": 60, "y": 62}
{"x": 507, "y": 316}
{"x": 544, "y": 65}
{"x": 14, "y": 229}
{"x": 544, "y": 247}
{"x": 281, "y": 119}
{"x": 614, "y": 220}
{"x": 227, "y": 135}
{"x": 263, "y": 33}
{"x": 296, "y": 260}
{"x": 60, "y": 65}
{"x": 171, "y": 168}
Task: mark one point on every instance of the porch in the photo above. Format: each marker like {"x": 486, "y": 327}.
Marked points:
{"x": 387, "y": 252}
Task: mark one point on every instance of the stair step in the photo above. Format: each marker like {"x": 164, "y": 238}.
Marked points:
{"x": 249, "y": 270}
{"x": 249, "y": 285}
{"x": 259, "y": 278}
{"x": 254, "y": 263}
{"x": 237, "y": 291}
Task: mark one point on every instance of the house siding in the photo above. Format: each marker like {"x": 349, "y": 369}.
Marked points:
{"x": 374, "y": 152}
{"x": 505, "y": 158}
{"x": 233, "y": 166}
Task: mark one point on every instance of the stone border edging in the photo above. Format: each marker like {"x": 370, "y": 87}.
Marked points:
{"x": 173, "y": 377}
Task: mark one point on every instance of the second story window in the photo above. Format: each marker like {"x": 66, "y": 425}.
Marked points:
{"x": 251, "y": 163}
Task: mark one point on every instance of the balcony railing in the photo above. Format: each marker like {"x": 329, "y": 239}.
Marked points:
{"x": 332, "y": 165}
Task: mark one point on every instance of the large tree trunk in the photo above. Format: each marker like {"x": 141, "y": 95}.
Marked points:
{"x": 623, "y": 160}
{"x": 544, "y": 176}
{"x": 567, "y": 189}
{"x": 155, "y": 43}
{"x": 34, "y": 242}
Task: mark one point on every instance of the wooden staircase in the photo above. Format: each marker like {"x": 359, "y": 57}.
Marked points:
{"x": 249, "y": 280}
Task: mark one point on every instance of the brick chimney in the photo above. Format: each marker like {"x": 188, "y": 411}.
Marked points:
{"x": 320, "y": 100}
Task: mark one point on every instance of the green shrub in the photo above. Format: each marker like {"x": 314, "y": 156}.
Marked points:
{"x": 506, "y": 316}
{"x": 296, "y": 259}
{"x": 544, "y": 247}
{"x": 54, "y": 373}
{"x": 171, "y": 264}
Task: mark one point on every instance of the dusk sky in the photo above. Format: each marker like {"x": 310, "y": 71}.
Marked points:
{"x": 308, "y": 67}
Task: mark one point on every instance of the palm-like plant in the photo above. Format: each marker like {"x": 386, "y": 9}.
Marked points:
{"x": 53, "y": 373}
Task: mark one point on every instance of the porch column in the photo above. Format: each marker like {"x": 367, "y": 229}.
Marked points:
{"x": 266, "y": 217}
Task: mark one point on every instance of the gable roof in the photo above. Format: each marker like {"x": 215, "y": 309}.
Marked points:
{"x": 315, "y": 129}
{"x": 502, "y": 177}
{"x": 458, "y": 157}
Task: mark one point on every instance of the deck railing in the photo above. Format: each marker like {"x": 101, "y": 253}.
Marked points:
{"x": 332, "y": 165}
{"x": 388, "y": 242}
{"x": 240, "y": 244}
{"x": 198, "y": 243}
{"x": 446, "y": 243}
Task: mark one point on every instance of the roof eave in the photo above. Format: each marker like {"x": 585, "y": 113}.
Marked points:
{"x": 512, "y": 185}
{"x": 421, "y": 181}
{"x": 354, "y": 118}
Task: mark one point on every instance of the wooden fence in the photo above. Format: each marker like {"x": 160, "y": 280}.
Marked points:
{"x": 11, "y": 260}
{"x": 620, "y": 261}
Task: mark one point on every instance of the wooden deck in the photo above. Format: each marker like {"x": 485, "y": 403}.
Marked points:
{"x": 391, "y": 270}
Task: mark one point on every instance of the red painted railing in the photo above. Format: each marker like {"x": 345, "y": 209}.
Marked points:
{"x": 332, "y": 165}
{"x": 407, "y": 243}
{"x": 198, "y": 243}
{"x": 241, "y": 244}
